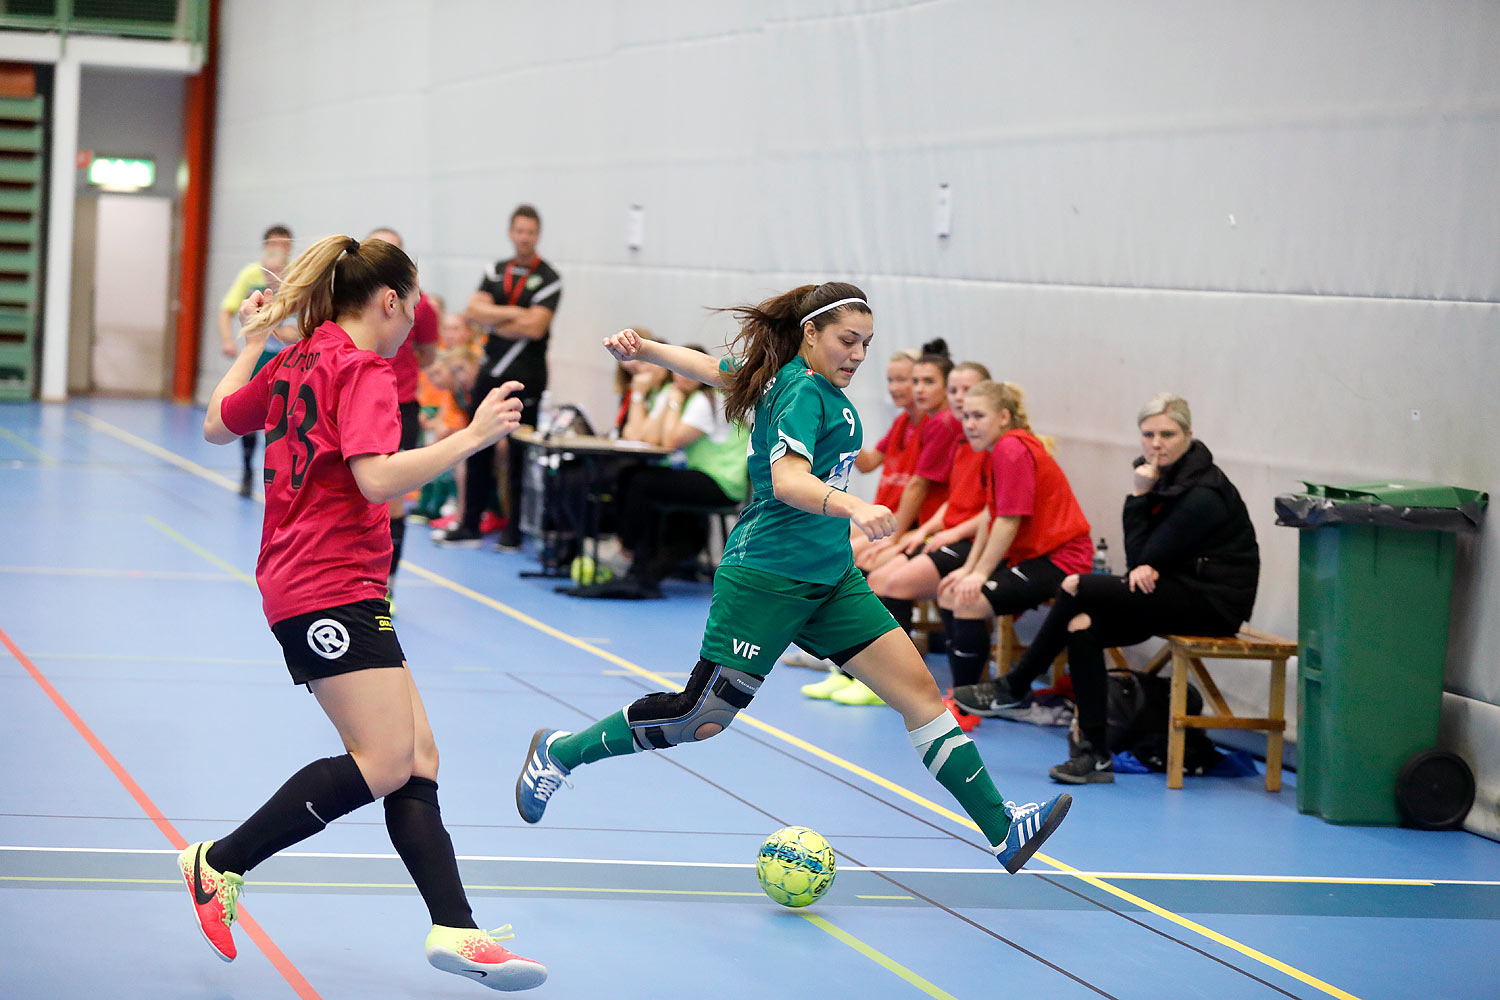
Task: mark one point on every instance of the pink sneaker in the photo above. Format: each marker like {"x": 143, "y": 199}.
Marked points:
{"x": 478, "y": 955}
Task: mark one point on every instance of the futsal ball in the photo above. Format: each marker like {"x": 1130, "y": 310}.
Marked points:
{"x": 795, "y": 866}
{"x": 584, "y": 572}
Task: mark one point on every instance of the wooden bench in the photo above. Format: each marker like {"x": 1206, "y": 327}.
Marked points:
{"x": 1186, "y": 654}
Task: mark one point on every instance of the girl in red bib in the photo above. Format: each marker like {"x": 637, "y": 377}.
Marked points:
{"x": 939, "y": 435}
{"x": 942, "y": 543}
{"x": 333, "y": 434}
{"x": 1034, "y": 537}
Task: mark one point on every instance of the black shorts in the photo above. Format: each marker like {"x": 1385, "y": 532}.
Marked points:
{"x": 951, "y": 557}
{"x": 1013, "y": 589}
{"x": 411, "y": 424}
{"x": 339, "y": 640}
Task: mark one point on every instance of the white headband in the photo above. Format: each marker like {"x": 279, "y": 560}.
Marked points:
{"x": 833, "y": 305}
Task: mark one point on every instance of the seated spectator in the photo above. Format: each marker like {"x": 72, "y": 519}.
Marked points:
{"x": 690, "y": 418}
{"x": 1033, "y": 535}
{"x": 941, "y": 544}
{"x": 1193, "y": 566}
{"x": 440, "y": 414}
{"x": 895, "y": 454}
{"x": 640, "y": 386}
{"x": 939, "y": 435}
{"x": 456, "y": 331}
{"x": 443, "y": 394}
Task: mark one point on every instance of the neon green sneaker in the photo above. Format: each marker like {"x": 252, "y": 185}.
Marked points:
{"x": 856, "y": 693}
{"x": 828, "y": 686}
{"x": 214, "y": 894}
{"x": 476, "y": 954}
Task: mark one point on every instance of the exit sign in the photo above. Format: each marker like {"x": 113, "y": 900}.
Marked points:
{"x": 116, "y": 173}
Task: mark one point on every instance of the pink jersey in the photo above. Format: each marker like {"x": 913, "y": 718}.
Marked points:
{"x": 321, "y": 402}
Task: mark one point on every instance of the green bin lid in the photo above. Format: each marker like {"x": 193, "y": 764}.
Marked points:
{"x": 1405, "y": 493}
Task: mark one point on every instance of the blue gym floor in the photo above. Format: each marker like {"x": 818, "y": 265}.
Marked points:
{"x": 144, "y": 703}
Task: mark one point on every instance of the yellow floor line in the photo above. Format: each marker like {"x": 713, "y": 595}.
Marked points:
{"x": 27, "y": 446}
{"x": 156, "y": 450}
{"x": 199, "y": 550}
{"x": 764, "y": 727}
{"x": 877, "y": 957}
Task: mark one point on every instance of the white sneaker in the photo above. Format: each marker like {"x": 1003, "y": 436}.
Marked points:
{"x": 795, "y": 656}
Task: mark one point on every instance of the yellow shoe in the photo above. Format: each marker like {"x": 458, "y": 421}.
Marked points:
{"x": 856, "y": 693}
{"x": 828, "y": 686}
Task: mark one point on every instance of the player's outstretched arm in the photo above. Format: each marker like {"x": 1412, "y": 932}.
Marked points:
{"x": 627, "y": 345}
{"x": 383, "y": 478}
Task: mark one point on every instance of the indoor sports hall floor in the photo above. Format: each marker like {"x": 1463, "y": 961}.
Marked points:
{"x": 143, "y": 704}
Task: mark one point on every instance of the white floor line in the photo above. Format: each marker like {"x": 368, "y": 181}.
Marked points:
{"x": 1139, "y": 876}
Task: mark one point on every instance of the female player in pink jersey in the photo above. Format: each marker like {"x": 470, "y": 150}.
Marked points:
{"x": 333, "y": 433}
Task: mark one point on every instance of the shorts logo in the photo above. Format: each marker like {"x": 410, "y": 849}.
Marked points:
{"x": 742, "y": 648}
{"x": 328, "y": 638}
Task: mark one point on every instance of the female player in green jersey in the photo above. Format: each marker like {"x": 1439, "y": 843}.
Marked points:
{"x": 788, "y": 573}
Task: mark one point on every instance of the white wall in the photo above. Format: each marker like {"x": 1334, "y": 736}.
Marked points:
{"x": 1284, "y": 211}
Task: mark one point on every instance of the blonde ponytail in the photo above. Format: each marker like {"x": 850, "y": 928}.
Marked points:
{"x": 335, "y": 276}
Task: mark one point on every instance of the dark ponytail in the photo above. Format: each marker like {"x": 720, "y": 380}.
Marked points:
{"x": 771, "y": 335}
{"x": 935, "y": 353}
{"x": 335, "y": 276}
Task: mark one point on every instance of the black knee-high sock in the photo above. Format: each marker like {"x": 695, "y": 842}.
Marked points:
{"x": 1051, "y": 639}
{"x": 311, "y": 799}
{"x": 415, "y": 823}
{"x": 968, "y": 650}
{"x": 398, "y": 538}
{"x": 900, "y": 610}
{"x": 247, "y": 448}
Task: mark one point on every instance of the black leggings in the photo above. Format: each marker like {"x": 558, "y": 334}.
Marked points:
{"x": 1118, "y": 617}
{"x": 658, "y": 542}
{"x": 480, "y": 483}
{"x": 247, "y": 446}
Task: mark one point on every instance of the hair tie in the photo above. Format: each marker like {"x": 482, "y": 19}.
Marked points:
{"x": 834, "y": 305}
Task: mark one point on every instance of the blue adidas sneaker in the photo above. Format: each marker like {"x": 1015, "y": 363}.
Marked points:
{"x": 1030, "y": 826}
{"x": 540, "y": 776}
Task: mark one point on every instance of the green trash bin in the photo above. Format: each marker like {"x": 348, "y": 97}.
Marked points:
{"x": 1375, "y": 582}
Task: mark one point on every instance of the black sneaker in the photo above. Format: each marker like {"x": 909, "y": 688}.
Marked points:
{"x": 509, "y": 541}
{"x": 988, "y": 699}
{"x": 458, "y": 537}
{"x": 246, "y": 484}
{"x": 1085, "y": 768}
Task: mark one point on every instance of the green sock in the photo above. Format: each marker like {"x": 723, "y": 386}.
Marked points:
{"x": 955, "y": 762}
{"x": 609, "y": 737}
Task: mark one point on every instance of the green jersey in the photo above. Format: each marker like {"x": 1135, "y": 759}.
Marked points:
{"x": 801, "y": 412}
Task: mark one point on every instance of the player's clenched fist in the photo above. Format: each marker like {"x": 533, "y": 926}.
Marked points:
{"x": 624, "y": 345}
{"x": 498, "y": 413}
{"x": 875, "y": 521}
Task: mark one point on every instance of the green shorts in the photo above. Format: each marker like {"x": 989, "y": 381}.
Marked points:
{"x": 756, "y": 615}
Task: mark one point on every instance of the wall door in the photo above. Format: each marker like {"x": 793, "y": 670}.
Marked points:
{"x": 132, "y": 267}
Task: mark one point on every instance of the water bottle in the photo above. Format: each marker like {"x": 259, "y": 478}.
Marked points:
{"x": 546, "y": 414}
{"x": 1101, "y": 558}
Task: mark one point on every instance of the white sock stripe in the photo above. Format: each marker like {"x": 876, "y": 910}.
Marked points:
{"x": 939, "y": 727}
{"x": 949, "y": 744}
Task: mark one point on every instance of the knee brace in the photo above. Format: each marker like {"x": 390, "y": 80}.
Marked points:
{"x": 714, "y": 696}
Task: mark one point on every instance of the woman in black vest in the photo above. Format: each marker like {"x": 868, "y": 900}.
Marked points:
{"x": 1193, "y": 566}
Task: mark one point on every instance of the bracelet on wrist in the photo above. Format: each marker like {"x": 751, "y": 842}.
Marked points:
{"x": 826, "y": 497}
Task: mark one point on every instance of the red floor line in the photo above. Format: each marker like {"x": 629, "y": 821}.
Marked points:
{"x": 262, "y": 940}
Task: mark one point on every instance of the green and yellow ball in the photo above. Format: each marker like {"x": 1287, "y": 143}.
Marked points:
{"x": 795, "y": 866}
